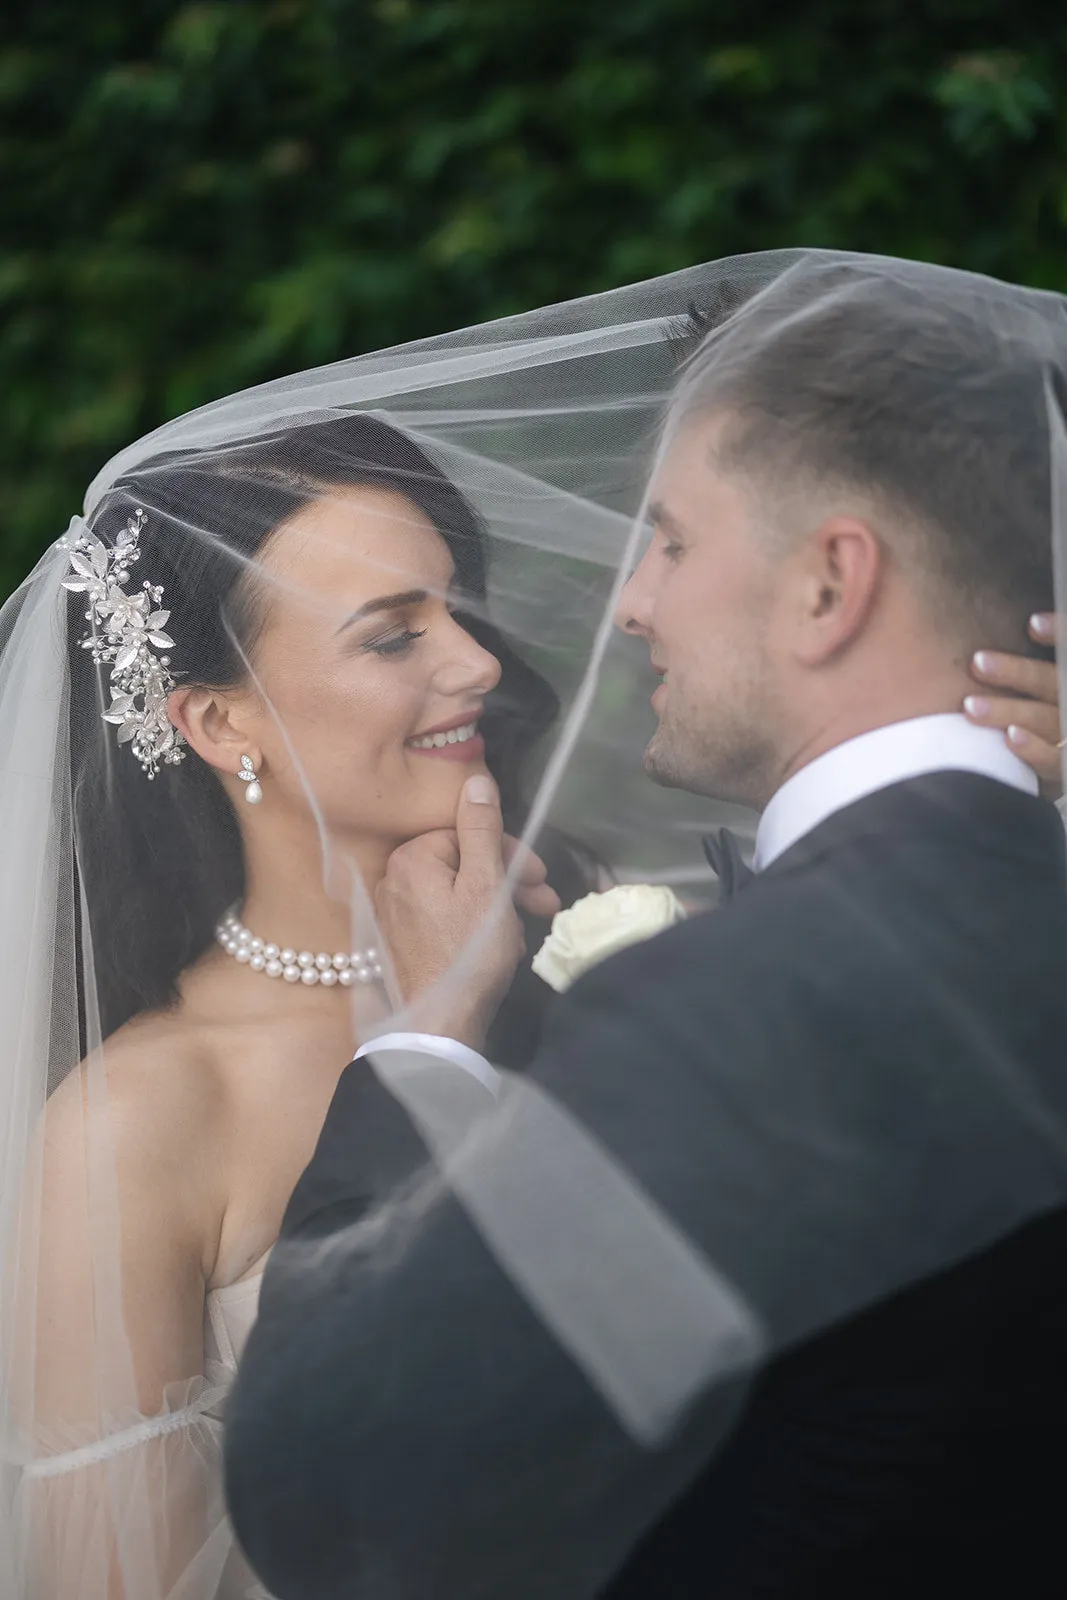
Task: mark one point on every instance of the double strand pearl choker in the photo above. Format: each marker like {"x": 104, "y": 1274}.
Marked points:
{"x": 345, "y": 968}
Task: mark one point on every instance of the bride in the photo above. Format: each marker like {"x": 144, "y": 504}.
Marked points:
{"x": 278, "y": 667}
{"x": 320, "y": 590}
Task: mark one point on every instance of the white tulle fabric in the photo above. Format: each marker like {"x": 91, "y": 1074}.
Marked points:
{"x": 543, "y": 423}
{"x": 91, "y": 1513}
{"x": 171, "y": 1459}
{"x": 548, "y": 424}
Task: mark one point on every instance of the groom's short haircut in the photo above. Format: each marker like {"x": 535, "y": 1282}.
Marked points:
{"x": 918, "y": 392}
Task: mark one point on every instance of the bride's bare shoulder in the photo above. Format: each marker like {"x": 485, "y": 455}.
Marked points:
{"x": 155, "y": 1065}
{"x": 154, "y": 1091}
{"x": 134, "y": 1158}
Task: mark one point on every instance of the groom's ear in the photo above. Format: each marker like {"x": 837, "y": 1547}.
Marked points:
{"x": 840, "y": 566}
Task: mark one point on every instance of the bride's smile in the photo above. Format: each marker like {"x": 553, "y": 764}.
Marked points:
{"x": 457, "y": 741}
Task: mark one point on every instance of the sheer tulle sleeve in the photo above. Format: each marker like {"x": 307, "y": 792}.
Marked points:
{"x": 136, "y": 1513}
{"x": 114, "y": 1460}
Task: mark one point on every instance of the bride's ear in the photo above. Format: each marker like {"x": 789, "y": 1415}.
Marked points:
{"x": 212, "y": 724}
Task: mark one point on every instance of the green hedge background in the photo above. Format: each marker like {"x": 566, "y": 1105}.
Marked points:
{"x": 198, "y": 197}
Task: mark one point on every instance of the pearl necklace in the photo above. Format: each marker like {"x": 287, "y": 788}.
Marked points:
{"x": 345, "y": 968}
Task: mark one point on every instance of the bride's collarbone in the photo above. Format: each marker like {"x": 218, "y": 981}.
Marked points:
{"x": 241, "y": 1023}
{"x": 210, "y": 1049}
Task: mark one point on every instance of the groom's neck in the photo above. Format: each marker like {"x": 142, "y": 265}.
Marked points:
{"x": 886, "y": 688}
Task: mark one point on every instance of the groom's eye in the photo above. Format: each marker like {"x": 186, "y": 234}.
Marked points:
{"x": 672, "y": 550}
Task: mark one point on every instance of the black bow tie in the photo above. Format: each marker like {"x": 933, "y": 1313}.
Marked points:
{"x": 724, "y": 858}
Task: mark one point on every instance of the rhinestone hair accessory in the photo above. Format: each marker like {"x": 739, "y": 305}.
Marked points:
{"x": 125, "y": 632}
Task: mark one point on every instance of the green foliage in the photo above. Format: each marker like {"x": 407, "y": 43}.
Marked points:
{"x": 198, "y": 197}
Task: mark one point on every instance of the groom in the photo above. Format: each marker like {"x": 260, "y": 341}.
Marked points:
{"x": 757, "y": 1284}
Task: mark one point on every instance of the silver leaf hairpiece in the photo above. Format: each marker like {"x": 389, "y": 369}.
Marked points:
{"x": 125, "y": 631}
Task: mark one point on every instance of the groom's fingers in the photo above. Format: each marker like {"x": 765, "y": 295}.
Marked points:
{"x": 529, "y": 868}
{"x": 480, "y": 831}
{"x": 434, "y": 855}
{"x": 486, "y": 852}
{"x": 538, "y": 900}
{"x": 440, "y": 892}
{"x": 531, "y": 890}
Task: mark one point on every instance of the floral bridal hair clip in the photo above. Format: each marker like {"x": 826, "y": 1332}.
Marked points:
{"x": 126, "y": 633}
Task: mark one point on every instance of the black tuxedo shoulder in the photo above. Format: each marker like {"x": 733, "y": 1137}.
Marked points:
{"x": 858, "y": 1059}
{"x": 937, "y": 882}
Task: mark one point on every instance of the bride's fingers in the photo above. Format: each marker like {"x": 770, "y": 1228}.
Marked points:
{"x": 1022, "y": 699}
{"x": 1019, "y": 675}
{"x": 1030, "y": 727}
{"x": 1032, "y": 717}
{"x": 1039, "y": 754}
{"x": 1043, "y": 627}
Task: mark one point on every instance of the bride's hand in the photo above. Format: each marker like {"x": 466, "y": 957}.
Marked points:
{"x": 1022, "y": 697}
{"x": 442, "y": 890}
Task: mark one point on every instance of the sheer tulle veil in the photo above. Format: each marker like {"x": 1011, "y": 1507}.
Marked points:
{"x": 529, "y": 444}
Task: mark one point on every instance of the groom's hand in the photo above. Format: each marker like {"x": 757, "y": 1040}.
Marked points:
{"x": 445, "y": 894}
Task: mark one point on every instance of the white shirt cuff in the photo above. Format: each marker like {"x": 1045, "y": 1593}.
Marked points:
{"x": 431, "y": 1044}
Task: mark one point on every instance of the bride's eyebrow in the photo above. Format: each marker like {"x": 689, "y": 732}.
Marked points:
{"x": 385, "y": 602}
{"x": 393, "y": 602}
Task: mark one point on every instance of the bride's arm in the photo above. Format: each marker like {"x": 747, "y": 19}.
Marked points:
{"x": 113, "y": 1306}
{"x": 122, "y": 1214}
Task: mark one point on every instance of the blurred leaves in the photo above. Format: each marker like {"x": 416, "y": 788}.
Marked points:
{"x": 197, "y": 197}
{"x": 993, "y": 94}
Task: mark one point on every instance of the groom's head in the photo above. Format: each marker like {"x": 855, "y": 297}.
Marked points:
{"x": 853, "y": 495}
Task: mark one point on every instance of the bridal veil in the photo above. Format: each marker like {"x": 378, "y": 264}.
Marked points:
{"x": 532, "y": 439}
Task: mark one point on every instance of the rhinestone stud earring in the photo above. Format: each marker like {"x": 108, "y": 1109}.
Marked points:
{"x": 247, "y": 774}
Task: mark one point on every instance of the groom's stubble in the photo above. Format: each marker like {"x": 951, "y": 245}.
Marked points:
{"x": 706, "y": 614}
{"x": 719, "y": 729}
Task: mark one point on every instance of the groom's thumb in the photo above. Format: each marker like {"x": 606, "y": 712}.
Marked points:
{"x": 480, "y": 831}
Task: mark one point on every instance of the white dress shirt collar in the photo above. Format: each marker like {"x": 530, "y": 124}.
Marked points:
{"x": 860, "y": 766}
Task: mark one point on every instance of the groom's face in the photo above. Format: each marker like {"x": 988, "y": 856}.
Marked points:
{"x": 703, "y": 598}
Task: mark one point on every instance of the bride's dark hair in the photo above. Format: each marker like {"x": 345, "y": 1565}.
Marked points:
{"x": 159, "y": 862}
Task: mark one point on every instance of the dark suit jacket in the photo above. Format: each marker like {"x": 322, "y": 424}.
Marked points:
{"x": 848, "y": 1090}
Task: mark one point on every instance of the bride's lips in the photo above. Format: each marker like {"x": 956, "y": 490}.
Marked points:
{"x": 458, "y": 740}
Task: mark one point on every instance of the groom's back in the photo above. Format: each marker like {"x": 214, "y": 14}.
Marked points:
{"x": 903, "y": 974}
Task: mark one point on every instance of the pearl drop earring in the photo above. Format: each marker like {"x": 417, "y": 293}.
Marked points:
{"x": 247, "y": 774}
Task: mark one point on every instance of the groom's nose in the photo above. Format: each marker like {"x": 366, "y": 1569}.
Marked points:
{"x": 633, "y": 614}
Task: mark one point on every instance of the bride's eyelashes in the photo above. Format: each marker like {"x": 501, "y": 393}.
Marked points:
{"x": 398, "y": 641}
{"x": 396, "y": 644}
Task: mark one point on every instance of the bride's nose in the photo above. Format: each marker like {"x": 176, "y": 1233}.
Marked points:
{"x": 466, "y": 666}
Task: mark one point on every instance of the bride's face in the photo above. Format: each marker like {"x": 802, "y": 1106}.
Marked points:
{"x": 370, "y": 690}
